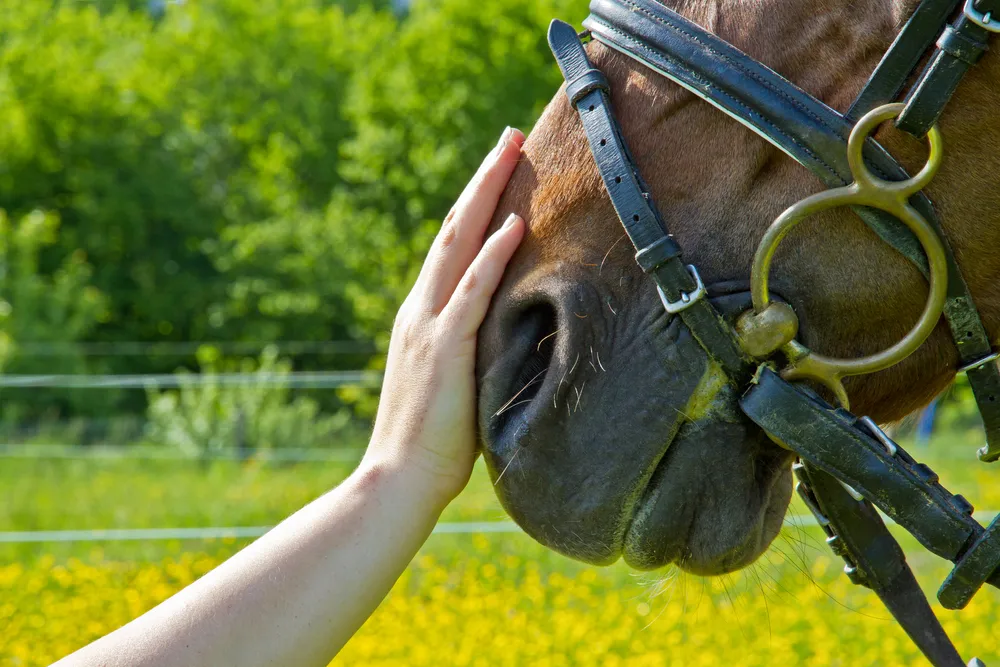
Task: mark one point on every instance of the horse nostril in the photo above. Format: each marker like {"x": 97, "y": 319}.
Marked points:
{"x": 536, "y": 327}
{"x": 533, "y": 341}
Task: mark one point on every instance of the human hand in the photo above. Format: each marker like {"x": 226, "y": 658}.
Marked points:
{"x": 425, "y": 427}
{"x": 296, "y": 595}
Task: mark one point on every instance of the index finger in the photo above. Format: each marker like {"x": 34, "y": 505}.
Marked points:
{"x": 461, "y": 235}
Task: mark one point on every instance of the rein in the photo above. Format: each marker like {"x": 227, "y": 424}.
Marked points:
{"x": 847, "y": 465}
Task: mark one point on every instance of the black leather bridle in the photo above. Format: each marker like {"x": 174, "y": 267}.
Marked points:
{"x": 848, "y": 466}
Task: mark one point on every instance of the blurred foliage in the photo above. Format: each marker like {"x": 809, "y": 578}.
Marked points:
{"x": 43, "y": 306}
{"x": 203, "y": 418}
{"x": 244, "y": 170}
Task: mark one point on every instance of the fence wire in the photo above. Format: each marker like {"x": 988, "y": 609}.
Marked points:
{"x": 166, "y": 348}
{"x": 293, "y": 380}
{"x": 133, "y": 453}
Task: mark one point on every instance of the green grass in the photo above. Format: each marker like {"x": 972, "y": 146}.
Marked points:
{"x": 517, "y": 602}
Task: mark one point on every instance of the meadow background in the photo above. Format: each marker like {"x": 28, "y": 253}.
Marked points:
{"x": 467, "y": 599}
{"x": 209, "y": 212}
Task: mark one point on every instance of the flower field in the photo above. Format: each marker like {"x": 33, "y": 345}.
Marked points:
{"x": 467, "y": 599}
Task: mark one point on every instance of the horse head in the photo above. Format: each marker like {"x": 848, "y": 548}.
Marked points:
{"x": 606, "y": 428}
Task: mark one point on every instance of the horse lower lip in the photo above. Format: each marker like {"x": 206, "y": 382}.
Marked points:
{"x": 641, "y": 526}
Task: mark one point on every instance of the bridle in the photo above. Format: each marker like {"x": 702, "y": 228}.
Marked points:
{"x": 847, "y": 465}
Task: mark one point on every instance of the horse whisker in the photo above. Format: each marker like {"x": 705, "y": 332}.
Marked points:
{"x": 514, "y": 397}
{"x": 502, "y": 472}
{"x": 608, "y": 253}
{"x": 511, "y": 407}
{"x": 539, "y": 348}
{"x": 600, "y": 364}
{"x": 555, "y": 396}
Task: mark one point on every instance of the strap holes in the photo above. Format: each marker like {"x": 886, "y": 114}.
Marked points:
{"x": 968, "y": 334}
{"x": 590, "y": 108}
{"x": 618, "y": 179}
{"x": 635, "y": 217}
{"x": 604, "y": 142}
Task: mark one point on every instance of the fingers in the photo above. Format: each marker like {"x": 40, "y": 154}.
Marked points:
{"x": 461, "y": 235}
{"x": 467, "y": 307}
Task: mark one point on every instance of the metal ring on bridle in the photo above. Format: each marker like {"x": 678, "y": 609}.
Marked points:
{"x": 866, "y": 190}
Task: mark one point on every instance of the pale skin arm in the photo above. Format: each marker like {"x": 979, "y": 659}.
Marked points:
{"x": 296, "y": 595}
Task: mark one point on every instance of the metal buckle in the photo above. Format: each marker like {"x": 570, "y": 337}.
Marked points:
{"x": 687, "y": 299}
{"x": 879, "y": 434}
{"x": 979, "y": 362}
{"x": 983, "y": 20}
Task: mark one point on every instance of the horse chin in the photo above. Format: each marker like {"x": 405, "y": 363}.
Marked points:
{"x": 715, "y": 502}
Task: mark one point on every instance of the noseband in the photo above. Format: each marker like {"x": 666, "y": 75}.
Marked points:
{"x": 847, "y": 465}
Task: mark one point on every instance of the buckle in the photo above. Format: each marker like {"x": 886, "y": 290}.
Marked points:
{"x": 983, "y": 19}
{"x": 979, "y": 362}
{"x": 879, "y": 434}
{"x": 687, "y": 299}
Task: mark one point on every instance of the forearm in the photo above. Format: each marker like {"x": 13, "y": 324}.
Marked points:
{"x": 296, "y": 595}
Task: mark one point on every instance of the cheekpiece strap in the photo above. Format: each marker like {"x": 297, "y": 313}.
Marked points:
{"x": 656, "y": 252}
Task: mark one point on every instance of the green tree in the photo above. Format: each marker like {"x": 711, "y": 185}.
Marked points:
{"x": 253, "y": 170}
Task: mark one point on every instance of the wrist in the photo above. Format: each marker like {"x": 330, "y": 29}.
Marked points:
{"x": 403, "y": 484}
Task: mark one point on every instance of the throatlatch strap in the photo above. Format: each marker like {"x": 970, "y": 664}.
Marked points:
{"x": 656, "y": 252}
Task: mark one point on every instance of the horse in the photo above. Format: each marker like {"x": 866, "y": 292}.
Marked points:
{"x": 606, "y": 429}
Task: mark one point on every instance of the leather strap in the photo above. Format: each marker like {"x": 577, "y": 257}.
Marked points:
{"x": 656, "y": 252}
{"x": 808, "y": 131}
{"x": 874, "y": 560}
{"x": 911, "y": 43}
{"x": 975, "y": 566}
{"x": 837, "y": 449}
{"x": 959, "y": 48}
{"x": 830, "y": 439}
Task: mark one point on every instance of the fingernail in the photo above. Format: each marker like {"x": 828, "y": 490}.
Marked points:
{"x": 509, "y": 222}
{"x": 503, "y": 140}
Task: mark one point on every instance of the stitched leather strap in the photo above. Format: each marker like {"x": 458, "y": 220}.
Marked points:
{"x": 830, "y": 440}
{"x": 835, "y": 449}
{"x": 807, "y": 130}
{"x": 656, "y": 252}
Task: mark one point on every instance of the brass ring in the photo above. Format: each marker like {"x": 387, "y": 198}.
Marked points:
{"x": 866, "y": 190}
